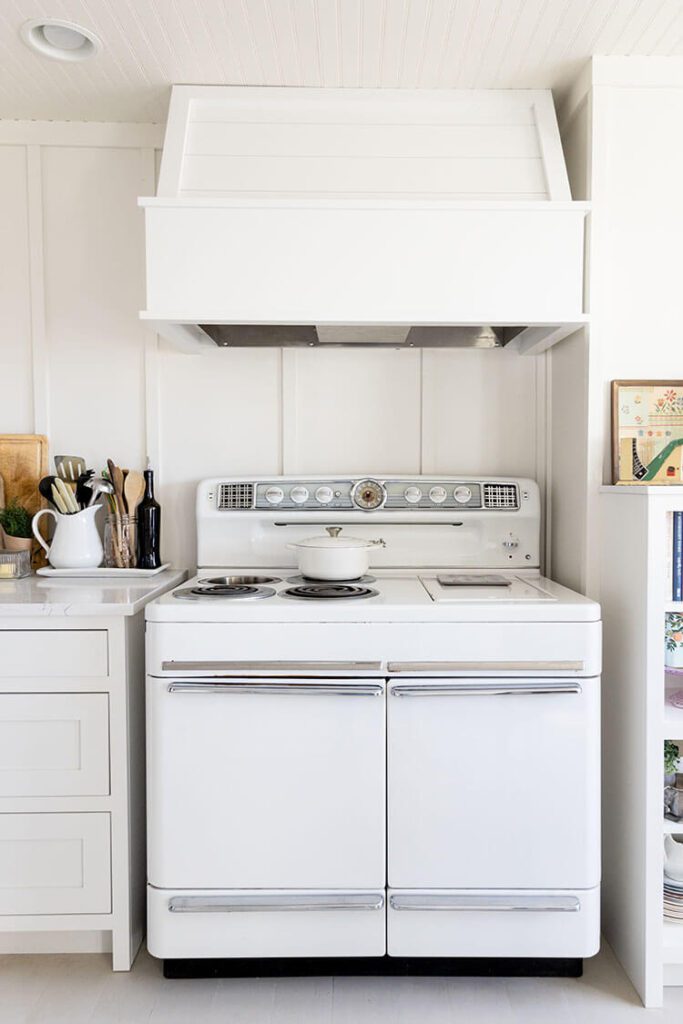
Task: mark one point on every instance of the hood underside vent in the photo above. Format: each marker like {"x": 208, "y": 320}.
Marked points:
{"x": 366, "y": 336}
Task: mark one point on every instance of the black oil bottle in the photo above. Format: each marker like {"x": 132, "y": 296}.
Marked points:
{"x": 149, "y": 526}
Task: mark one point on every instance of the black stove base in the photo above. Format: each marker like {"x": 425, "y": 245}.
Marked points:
{"x": 303, "y": 967}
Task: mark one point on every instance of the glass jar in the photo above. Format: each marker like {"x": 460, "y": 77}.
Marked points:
{"x": 120, "y": 542}
{"x": 14, "y": 565}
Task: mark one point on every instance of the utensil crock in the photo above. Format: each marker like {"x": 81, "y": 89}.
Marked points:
{"x": 76, "y": 543}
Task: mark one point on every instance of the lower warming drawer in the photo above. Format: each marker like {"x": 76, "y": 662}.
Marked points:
{"x": 259, "y": 923}
{"x": 488, "y": 923}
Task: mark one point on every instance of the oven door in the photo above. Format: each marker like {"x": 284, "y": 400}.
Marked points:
{"x": 493, "y": 783}
{"x": 266, "y": 783}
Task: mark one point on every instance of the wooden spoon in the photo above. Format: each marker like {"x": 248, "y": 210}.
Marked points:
{"x": 133, "y": 490}
{"x": 116, "y": 477}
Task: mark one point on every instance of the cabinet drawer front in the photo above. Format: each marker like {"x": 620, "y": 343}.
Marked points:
{"x": 54, "y": 744}
{"x": 243, "y": 923}
{"x": 53, "y": 653}
{"x": 55, "y": 864}
{"x": 493, "y": 923}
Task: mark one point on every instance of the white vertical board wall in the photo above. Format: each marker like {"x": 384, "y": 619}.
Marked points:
{"x": 84, "y": 370}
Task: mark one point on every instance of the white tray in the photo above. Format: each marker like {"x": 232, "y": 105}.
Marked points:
{"x": 103, "y": 573}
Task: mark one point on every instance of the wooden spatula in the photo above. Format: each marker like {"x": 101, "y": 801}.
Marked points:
{"x": 133, "y": 490}
{"x": 116, "y": 477}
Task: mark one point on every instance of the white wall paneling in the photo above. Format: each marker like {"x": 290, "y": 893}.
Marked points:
{"x": 15, "y": 292}
{"x": 97, "y": 381}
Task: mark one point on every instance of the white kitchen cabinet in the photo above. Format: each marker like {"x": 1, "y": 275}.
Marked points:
{"x": 55, "y": 864}
{"x": 72, "y": 751}
{"x": 54, "y": 744}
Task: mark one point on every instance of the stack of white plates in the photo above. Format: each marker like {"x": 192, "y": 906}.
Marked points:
{"x": 673, "y": 899}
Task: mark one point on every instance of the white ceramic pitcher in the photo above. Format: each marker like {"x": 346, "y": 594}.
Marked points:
{"x": 76, "y": 543}
{"x": 673, "y": 858}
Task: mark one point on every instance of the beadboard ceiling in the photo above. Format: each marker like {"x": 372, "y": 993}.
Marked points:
{"x": 150, "y": 44}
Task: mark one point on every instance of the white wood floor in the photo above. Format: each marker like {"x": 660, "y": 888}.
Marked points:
{"x": 74, "y": 989}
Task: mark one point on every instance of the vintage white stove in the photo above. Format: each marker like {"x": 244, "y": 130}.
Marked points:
{"x": 402, "y": 766}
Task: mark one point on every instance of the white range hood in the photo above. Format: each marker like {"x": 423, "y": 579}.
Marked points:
{"x": 407, "y": 218}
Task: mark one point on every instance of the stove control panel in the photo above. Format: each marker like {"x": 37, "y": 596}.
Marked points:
{"x": 368, "y": 494}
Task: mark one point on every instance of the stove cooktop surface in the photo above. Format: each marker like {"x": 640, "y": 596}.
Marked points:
{"x": 224, "y": 595}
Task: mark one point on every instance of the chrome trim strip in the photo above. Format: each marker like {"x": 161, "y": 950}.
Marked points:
{"x": 562, "y": 904}
{"x": 400, "y": 667}
{"x": 485, "y": 689}
{"x": 271, "y": 666}
{"x": 271, "y": 904}
{"x": 300, "y": 688}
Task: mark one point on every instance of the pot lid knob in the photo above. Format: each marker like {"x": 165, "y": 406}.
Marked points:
{"x": 333, "y": 531}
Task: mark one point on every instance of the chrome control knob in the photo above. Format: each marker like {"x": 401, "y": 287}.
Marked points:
{"x": 274, "y": 495}
{"x": 462, "y": 495}
{"x": 510, "y": 543}
{"x": 299, "y": 494}
{"x": 438, "y": 495}
{"x": 324, "y": 495}
{"x": 412, "y": 495}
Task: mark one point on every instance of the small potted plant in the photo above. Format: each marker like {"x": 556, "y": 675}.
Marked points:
{"x": 673, "y": 640}
{"x": 15, "y": 524}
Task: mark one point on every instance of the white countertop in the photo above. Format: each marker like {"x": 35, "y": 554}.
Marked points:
{"x": 45, "y": 596}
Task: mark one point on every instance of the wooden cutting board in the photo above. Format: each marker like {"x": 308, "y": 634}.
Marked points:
{"x": 23, "y": 463}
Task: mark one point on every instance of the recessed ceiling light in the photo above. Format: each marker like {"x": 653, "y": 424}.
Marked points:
{"x": 61, "y": 40}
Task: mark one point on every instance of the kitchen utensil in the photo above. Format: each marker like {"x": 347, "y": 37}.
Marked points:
{"x": 45, "y": 488}
{"x": 69, "y": 467}
{"x": 83, "y": 490}
{"x": 98, "y": 485}
{"x": 76, "y": 543}
{"x": 334, "y": 557}
{"x": 133, "y": 490}
{"x": 66, "y": 494}
{"x": 116, "y": 477}
{"x": 58, "y": 501}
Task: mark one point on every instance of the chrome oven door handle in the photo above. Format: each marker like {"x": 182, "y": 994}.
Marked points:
{"x": 300, "y": 688}
{"x": 470, "y": 689}
{"x": 274, "y": 904}
{"x": 486, "y": 903}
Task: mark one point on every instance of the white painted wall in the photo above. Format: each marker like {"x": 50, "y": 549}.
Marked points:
{"x": 79, "y": 366}
{"x": 622, "y": 131}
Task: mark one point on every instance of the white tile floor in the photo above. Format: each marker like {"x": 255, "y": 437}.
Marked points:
{"x": 75, "y": 989}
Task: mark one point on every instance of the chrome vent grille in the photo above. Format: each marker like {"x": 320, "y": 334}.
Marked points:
{"x": 232, "y": 496}
{"x": 500, "y": 496}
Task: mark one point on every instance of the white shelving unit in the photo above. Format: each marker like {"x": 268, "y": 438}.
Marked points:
{"x": 635, "y": 592}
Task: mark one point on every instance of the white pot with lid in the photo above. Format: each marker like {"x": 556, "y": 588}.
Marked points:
{"x": 334, "y": 557}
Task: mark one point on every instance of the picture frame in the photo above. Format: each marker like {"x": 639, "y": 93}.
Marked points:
{"x": 647, "y": 432}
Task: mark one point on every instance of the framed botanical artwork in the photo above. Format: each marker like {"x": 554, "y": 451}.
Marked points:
{"x": 647, "y": 431}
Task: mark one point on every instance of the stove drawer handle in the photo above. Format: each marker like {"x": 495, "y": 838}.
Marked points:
{"x": 274, "y": 687}
{"x": 270, "y": 904}
{"x": 559, "y": 904}
{"x": 485, "y": 690}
